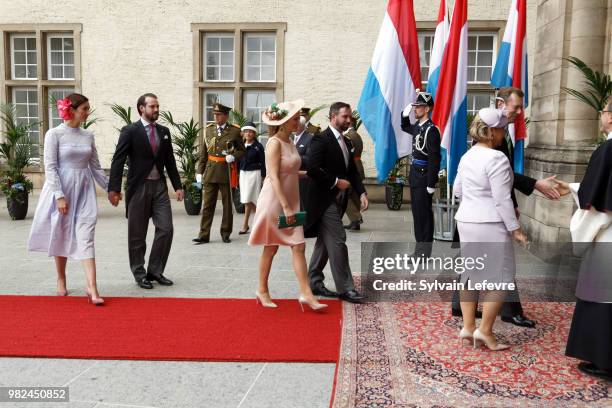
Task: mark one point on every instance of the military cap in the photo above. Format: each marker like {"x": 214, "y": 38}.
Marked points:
{"x": 219, "y": 108}
{"x": 424, "y": 98}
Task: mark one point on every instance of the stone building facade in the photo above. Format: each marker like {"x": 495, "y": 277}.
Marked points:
{"x": 248, "y": 53}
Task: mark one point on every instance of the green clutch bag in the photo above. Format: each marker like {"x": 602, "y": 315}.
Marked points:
{"x": 300, "y": 219}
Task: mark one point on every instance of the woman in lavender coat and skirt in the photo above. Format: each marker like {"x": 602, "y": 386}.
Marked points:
{"x": 67, "y": 211}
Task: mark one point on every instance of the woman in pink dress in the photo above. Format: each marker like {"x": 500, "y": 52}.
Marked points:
{"x": 280, "y": 195}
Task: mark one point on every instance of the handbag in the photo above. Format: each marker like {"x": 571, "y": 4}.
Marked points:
{"x": 300, "y": 220}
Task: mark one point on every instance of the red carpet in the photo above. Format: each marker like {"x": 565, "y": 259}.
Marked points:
{"x": 168, "y": 329}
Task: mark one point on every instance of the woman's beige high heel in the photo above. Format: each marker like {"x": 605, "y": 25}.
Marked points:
{"x": 62, "y": 292}
{"x": 480, "y": 339}
{"x": 95, "y": 302}
{"x": 259, "y": 298}
{"x": 314, "y": 304}
{"x": 465, "y": 334}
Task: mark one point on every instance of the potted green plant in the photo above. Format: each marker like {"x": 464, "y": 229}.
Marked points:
{"x": 599, "y": 88}
{"x": 186, "y": 149}
{"x": 394, "y": 185}
{"x": 16, "y": 150}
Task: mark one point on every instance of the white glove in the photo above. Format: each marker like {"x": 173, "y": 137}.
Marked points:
{"x": 230, "y": 158}
{"x": 198, "y": 178}
{"x": 407, "y": 110}
{"x": 431, "y": 190}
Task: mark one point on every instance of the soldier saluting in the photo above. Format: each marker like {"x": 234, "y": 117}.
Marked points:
{"x": 424, "y": 168}
{"x": 220, "y": 149}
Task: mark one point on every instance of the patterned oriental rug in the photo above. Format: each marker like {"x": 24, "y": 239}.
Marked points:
{"x": 409, "y": 355}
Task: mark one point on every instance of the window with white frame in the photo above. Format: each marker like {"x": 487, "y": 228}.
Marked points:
{"x": 212, "y": 96}
{"x": 425, "y": 46}
{"x": 259, "y": 57}
{"x": 219, "y": 57}
{"x": 56, "y": 94}
{"x": 478, "y": 100}
{"x": 239, "y": 65}
{"x": 42, "y": 64}
{"x": 23, "y": 56}
{"x": 255, "y": 102}
{"x": 481, "y": 56}
{"x": 60, "y": 58}
{"x": 26, "y": 111}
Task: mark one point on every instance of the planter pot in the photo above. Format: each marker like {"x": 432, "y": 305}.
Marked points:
{"x": 18, "y": 206}
{"x": 236, "y": 197}
{"x": 191, "y": 207}
{"x": 394, "y": 193}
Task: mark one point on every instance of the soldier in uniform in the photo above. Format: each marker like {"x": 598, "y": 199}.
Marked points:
{"x": 220, "y": 149}
{"x": 352, "y": 210}
{"x": 310, "y": 128}
{"x": 424, "y": 168}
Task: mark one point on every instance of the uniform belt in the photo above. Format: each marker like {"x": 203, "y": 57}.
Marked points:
{"x": 216, "y": 158}
{"x": 419, "y": 162}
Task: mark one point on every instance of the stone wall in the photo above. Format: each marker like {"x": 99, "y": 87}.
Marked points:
{"x": 562, "y": 130}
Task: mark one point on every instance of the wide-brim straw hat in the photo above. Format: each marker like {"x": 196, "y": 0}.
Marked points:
{"x": 291, "y": 107}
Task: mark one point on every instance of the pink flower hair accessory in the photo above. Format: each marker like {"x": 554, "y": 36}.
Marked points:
{"x": 63, "y": 109}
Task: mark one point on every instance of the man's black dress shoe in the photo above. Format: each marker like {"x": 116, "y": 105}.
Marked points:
{"x": 592, "y": 369}
{"x": 353, "y": 226}
{"x": 200, "y": 241}
{"x": 145, "y": 283}
{"x": 226, "y": 239}
{"x": 352, "y": 296}
{"x": 323, "y": 291}
{"x": 458, "y": 313}
{"x": 161, "y": 280}
{"x": 519, "y": 320}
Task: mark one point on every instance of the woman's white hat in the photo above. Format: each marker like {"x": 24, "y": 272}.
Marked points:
{"x": 493, "y": 118}
{"x": 277, "y": 114}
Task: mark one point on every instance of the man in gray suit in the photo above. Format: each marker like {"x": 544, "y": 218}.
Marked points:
{"x": 302, "y": 141}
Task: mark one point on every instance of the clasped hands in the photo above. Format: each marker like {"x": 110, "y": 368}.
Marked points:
{"x": 114, "y": 197}
{"x": 552, "y": 188}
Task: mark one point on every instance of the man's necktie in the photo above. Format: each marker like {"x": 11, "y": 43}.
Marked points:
{"x": 152, "y": 140}
{"x": 345, "y": 152}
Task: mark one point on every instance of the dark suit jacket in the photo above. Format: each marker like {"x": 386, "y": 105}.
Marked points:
{"x": 303, "y": 148}
{"x": 326, "y": 163}
{"x": 134, "y": 143}
{"x": 522, "y": 183}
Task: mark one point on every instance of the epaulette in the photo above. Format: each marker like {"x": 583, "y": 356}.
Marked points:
{"x": 210, "y": 124}
{"x": 235, "y": 125}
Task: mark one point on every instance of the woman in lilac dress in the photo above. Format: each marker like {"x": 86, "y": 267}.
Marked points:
{"x": 67, "y": 211}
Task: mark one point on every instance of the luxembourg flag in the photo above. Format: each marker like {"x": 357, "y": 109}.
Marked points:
{"x": 437, "y": 49}
{"x": 511, "y": 70}
{"x": 391, "y": 83}
{"x": 435, "y": 59}
{"x": 450, "y": 108}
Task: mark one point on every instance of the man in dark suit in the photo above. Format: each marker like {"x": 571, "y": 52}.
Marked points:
{"x": 302, "y": 141}
{"x": 149, "y": 149}
{"x": 332, "y": 171}
{"x": 510, "y": 101}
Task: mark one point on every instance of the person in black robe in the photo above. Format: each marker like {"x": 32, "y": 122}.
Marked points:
{"x": 590, "y": 336}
